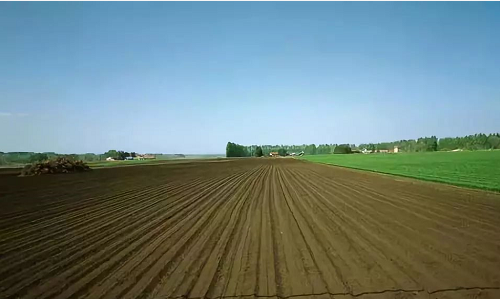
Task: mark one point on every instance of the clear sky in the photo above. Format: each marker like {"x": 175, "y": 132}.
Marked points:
{"x": 189, "y": 77}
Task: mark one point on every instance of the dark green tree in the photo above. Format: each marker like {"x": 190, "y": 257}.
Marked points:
{"x": 111, "y": 153}
{"x": 120, "y": 155}
{"x": 494, "y": 142}
{"x": 342, "y": 149}
{"x": 258, "y": 151}
{"x": 282, "y": 152}
{"x": 433, "y": 145}
{"x": 236, "y": 150}
{"x": 324, "y": 149}
{"x": 310, "y": 149}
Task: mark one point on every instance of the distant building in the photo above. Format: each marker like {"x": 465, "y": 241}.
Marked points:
{"x": 394, "y": 150}
{"x": 383, "y": 151}
{"x": 129, "y": 158}
{"x": 274, "y": 154}
{"x": 109, "y": 159}
{"x": 145, "y": 156}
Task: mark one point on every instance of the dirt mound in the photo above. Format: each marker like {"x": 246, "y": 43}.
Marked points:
{"x": 58, "y": 165}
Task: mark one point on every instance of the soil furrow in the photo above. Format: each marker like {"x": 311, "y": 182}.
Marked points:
{"x": 251, "y": 228}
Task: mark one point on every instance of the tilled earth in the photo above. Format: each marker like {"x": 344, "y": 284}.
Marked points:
{"x": 245, "y": 228}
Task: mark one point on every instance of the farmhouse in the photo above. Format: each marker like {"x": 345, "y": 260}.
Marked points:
{"x": 109, "y": 159}
{"x": 273, "y": 154}
{"x": 394, "y": 150}
{"x": 145, "y": 157}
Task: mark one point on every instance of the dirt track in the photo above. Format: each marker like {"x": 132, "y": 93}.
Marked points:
{"x": 245, "y": 228}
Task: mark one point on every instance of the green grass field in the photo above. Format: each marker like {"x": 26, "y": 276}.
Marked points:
{"x": 476, "y": 169}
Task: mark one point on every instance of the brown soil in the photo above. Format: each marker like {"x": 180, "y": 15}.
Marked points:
{"x": 274, "y": 228}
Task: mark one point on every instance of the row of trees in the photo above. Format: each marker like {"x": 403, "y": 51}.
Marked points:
{"x": 21, "y": 158}
{"x": 308, "y": 149}
{"x": 236, "y": 150}
{"x": 423, "y": 144}
{"x": 13, "y": 158}
{"x": 342, "y": 149}
{"x": 119, "y": 155}
{"x": 427, "y": 144}
{"x": 471, "y": 142}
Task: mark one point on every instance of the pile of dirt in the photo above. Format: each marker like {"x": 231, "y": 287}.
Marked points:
{"x": 58, "y": 165}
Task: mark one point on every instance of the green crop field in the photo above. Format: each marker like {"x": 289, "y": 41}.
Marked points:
{"x": 476, "y": 169}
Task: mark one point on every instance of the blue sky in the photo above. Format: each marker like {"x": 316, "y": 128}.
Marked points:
{"x": 189, "y": 77}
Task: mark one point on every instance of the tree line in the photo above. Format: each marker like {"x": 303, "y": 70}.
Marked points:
{"x": 22, "y": 158}
{"x": 422, "y": 144}
{"x": 431, "y": 144}
{"x": 308, "y": 149}
{"x": 238, "y": 150}
{"x": 119, "y": 155}
{"x": 13, "y": 158}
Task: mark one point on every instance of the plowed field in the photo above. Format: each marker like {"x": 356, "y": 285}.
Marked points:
{"x": 274, "y": 228}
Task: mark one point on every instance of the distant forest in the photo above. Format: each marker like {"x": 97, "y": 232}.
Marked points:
{"x": 21, "y": 158}
{"x": 470, "y": 142}
{"x": 423, "y": 144}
